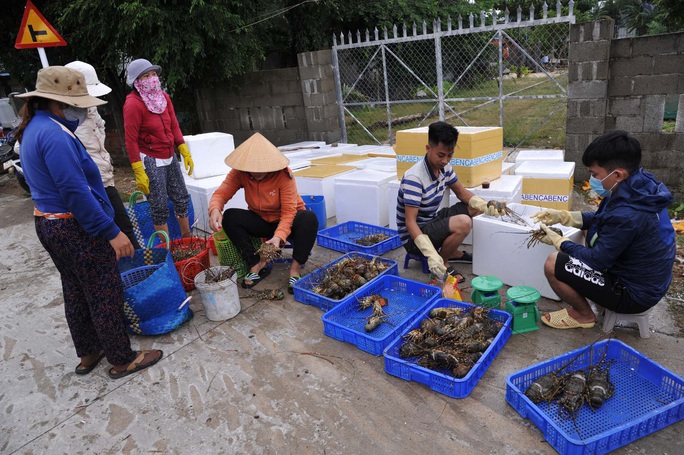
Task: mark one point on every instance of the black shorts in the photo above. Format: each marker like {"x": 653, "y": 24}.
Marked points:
{"x": 602, "y": 288}
{"x": 438, "y": 227}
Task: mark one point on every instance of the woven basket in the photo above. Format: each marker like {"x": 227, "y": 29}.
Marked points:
{"x": 229, "y": 255}
{"x": 154, "y": 299}
{"x": 141, "y": 219}
{"x": 189, "y": 268}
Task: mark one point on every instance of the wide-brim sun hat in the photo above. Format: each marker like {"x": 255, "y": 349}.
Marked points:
{"x": 139, "y": 66}
{"x": 257, "y": 154}
{"x": 65, "y": 85}
{"x": 93, "y": 84}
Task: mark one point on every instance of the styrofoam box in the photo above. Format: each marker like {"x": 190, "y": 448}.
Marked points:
{"x": 310, "y": 155}
{"x": 201, "y": 192}
{"x": 209, "y": 150}
{"x": 547, "y": 183}
{"x": 361, "y": 195}
{"x": 500, "y": 250}
{"x": 320, "y": 180}
{"x": 298, "y": 164}
{"x": 299, "y": 146}
{"x": 539, "y": 155}
{"x": 506, "y": 188}
{"x": 392, "y": 193}
{"x": 376, "y": 150}
{"x": 380, "y": 164}
{"x": 507, "y": 168}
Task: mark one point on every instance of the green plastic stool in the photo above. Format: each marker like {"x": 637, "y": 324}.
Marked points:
{"x": 486, "y": 291}
{"x": 522, "y": 304}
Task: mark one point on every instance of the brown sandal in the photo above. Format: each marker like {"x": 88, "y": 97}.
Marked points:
{"x": 137, "y": 364}
{"x": 85, "y": 369}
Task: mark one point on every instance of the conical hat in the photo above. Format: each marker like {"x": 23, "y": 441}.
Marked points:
{"x": 257, "y": 154}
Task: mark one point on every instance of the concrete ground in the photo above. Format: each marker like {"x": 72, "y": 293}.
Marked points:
{"x": 266, "y": 381}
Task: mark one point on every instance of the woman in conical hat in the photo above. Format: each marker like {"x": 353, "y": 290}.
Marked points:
{"x": 275, "y": 210}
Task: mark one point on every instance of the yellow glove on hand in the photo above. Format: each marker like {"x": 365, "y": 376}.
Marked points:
{"x": 141, "y": 178}
{"x": 187, "y": 158}
{"x": 551, "y": 238}
{"x": 435, "y": 261}
{"x": 553, "y": 216}
{"x": 490, "y": 208}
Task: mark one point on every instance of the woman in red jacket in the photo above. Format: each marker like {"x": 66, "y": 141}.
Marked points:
{"x": 152, "y": 135}
{"x": 275, "y": 210}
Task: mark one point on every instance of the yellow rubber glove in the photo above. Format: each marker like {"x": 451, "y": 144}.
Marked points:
{"x": 141, "y": 178}
{"x": 187, "y": 158}
{"x": 479, "y": 204}
{"x": 551, "y": 238}
{"x": 435, "y": 261}
{"x": 553, "y": 216}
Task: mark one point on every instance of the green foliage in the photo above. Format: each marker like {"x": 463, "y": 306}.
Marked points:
{"x": 350, "y": 95}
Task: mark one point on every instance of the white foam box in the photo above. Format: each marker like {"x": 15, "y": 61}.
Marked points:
{"x": 507, "y": 168}
{"x": 298, "y": 164}
{"x": 500, "y": 250}
{"x": 377, "y": 163}
{"x": 539, "y": 155}
{"x": 361, "y": 196}
{"x": 201, "y": 192}
{"x": 547, "y": 184}
{"x": 506, "y": 188}
{"x": 320, "y": 181}
{"x": 376, "y": 151}
{"x": 392, "y": 193}
{"x": 299, "y": 146}
{"x": 209, "y": 150}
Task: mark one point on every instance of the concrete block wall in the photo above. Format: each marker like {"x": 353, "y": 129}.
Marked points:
{"x": 623, "y": 84}
{"x": 285, "y": 105}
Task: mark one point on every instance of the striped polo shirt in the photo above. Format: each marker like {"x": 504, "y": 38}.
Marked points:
{"x": 419, "y": 188}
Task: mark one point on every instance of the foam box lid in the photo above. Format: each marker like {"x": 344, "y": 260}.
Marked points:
{"x": 394, "y": 184}
{"x": 380, "y": 149}
{"x": 311, "y": 154}
{"x": 540, "y": 155}
{"x": 374, "y": 163}
{"x": 322, "y": 171}
{"x": 301, "y": 144}
{"x": 503, "y": 186}
{"x": 366, "y": 176}
{"x": 338, "y": 159}
{"x": 546, "y": 169}
{"x": 204, "y": 184}
{"x": 505, "y": 167}
{"x": 299, "y": 164}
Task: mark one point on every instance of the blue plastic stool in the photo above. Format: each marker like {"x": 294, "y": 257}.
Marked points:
{"x": 416, "y": 257}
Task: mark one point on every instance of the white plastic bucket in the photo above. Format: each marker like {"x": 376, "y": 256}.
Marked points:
{"x": 221, "y": 299}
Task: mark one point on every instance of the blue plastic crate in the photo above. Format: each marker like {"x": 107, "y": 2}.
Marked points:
{"x": 303, "y": 288}
{"x": 406, "y": 300}
{"x": 342, "y": 236}
{"x": 647, "y": 398}
{"x": 443, "y": 382}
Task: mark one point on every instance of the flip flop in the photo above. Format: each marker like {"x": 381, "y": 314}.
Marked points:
{"x": 255, "y": 278}
{"x": 136, "y": 365}
{"x": 82, "y": 369}
{"x": 562, "y": 320}
{"x": 456, "y": 274}
{"x": 291, "y": 282}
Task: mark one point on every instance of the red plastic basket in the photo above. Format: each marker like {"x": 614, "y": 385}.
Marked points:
{"x": 189, "y": 268}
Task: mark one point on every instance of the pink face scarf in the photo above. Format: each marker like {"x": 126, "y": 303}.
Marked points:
{"x": 151, "y": 94}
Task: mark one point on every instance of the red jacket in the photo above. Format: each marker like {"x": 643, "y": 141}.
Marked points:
{"x": 274, "y": 198}
{"x": 155, "y": 135}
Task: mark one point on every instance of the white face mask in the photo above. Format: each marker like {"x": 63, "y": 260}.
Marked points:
{"x": 75, "y": 114}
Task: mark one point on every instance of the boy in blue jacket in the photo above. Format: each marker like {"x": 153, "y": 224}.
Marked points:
{"x": 626, "y": 266}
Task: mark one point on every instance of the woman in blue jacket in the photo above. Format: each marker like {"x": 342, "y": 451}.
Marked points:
{"x": 626, "y": 266}
{"x": 74, "y": 221}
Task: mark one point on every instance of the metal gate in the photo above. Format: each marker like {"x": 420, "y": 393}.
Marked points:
{"x": 511, "y": 73}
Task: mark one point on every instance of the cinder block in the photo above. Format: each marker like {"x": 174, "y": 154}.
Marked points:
{"x": 668, "y": 64}
{"x": 652, "y": 85}
{"x": 625, "y": 106}
{"x": 609, "y": 124}
{"x": 573, "y": 72}
{"x": 601, "y": 70}
{"x": 630, "y": 124}
{"x": 655, "y": 45}
{"x": 585, "y": 90}
{"x": 635, "y": 66}
{"x": 620, "y": 48}
{"x": 605, "y": 30}
{"x": 621, "y": 86}
{"x": 589, "y": 51}
{"x": 654, "y": 108}
{"x": 588, "y": 125}
{"x": 593, "y": 108}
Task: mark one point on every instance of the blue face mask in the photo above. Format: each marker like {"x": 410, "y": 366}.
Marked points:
{"x": 597, "y": 186}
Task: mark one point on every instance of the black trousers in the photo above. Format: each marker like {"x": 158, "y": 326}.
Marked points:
{"x": 240, "y": 225}
{"x": 120, "y": 216}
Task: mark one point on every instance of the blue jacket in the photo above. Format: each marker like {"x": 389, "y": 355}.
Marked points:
{"x": 631, "y": 236}
{"x": 63, "y": 177}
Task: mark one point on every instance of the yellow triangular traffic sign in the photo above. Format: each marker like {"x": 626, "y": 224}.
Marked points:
{"x": 36, "y": 31}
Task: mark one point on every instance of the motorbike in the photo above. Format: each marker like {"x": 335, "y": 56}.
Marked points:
{"x": 11, "y": 163}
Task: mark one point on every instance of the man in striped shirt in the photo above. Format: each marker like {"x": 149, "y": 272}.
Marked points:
{"x": 422, "y": 228}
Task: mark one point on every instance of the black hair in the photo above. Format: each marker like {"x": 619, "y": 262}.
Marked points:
{"x": 442, "y": 133}
{"x": 613, "y": 150}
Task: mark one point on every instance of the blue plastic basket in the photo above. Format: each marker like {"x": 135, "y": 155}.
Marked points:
{"x": 406, "y": 300}
{"x": 647, "y": 398}
{"x": 443, "y": 382}
{"x": 341, "y": 238}
{"x": 303, "y": 288}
